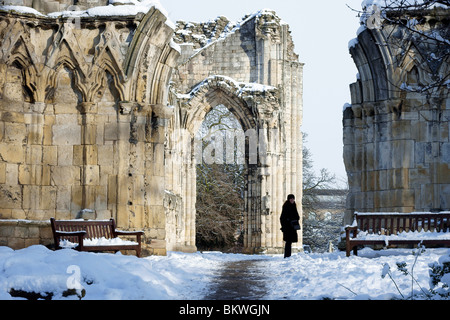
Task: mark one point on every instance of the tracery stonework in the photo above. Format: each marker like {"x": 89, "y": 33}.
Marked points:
{"x": 98, "y": 114}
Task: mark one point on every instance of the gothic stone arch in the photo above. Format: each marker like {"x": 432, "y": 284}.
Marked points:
{"x": 253, "y": 71}
{"x": 395, "y": 133}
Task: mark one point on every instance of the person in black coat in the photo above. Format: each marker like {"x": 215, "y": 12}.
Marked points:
{"x": 289, "y": 224}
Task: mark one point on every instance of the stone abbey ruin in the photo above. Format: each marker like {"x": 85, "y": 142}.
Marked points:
{"x": 396, "y": 131}
{"x": 99, "y": 107}
{"x": 100, "y": 102}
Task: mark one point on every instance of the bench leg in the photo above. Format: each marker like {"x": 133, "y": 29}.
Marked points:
{"x": 349, "y": 249}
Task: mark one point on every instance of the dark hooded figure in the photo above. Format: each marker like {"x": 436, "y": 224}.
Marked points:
{"x": 289, "y": 218}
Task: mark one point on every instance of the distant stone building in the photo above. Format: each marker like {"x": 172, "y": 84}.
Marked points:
{"x": 396, "y": 131}
{"x": 323, "y": 224}
{"x": 99, "y": 108}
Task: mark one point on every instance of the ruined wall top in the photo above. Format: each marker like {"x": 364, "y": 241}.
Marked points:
{"x": 265, "y": 23}
{"x": 251, "y": 50}
{"x": 394, "y": 58}
{"x": 49, "y": 6}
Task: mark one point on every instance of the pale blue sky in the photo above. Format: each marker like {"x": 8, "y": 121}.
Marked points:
{"x": 321, "y": 31}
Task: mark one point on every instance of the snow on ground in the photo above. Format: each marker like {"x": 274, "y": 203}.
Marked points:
{"x": 104, "y": 276}
{"x": 181, "y": 276}
{"x": 334, "y": 276}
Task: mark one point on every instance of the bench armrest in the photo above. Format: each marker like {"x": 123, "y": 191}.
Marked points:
{"x": 138, "y": 234}
{"x": 353, "y": 230}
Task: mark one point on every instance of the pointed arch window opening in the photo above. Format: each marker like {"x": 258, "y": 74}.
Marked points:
{"x": 223, "y": 156}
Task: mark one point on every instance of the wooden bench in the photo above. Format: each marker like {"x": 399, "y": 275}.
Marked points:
{"x": 79, "y": 235}
{"x": 394, "y": 229}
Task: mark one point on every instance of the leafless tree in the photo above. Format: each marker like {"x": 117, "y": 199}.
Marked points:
{"x": 220, "y": 190}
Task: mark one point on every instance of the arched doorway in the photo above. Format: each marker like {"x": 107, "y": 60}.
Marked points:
{"x": 252, "y": 69}
{"x": 221, "y": 182}
{"x": 267, "y": 176}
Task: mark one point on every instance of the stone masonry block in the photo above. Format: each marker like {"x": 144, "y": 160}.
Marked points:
{"x": 106, "y": 155}
{"x": 11, "y": 153}
{"x": 66, "y": 134}
{"x": 445, "y": 153}
{"x": 2, "y": 173}
{"x": 65, "y": 155}
{"x": 12, "y": 174}
{"x": 35, "y": 134}
{"x": 50, "y": 155}
{"x": 15, "y": 132}
{"x": 443, "y": 173}
{"x": 65, "y": 175}
{"x": 111, "y": 132}
{"x": 92, "y": 175}
{"x": 2, "y": 130}
{"x": 403, "y": 154}
{"x": 10, "y": 197}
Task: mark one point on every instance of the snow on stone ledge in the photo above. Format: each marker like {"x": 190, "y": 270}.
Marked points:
{"x": 240, "y": 87}
{"x": 21, "y": 10}
{"x": 116, "y": 8}
{"x": 346, "y": 106}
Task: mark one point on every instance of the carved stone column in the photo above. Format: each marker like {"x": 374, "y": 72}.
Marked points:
{"x": 87, "y": 156}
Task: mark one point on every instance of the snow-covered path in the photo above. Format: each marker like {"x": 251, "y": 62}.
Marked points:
{"x": 328, "y": 276}
{"x": 238, "y": 280}
{"x": 182, "y": 276}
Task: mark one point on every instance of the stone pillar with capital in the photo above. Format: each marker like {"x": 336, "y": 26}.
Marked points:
{"x": 86, "y": 156}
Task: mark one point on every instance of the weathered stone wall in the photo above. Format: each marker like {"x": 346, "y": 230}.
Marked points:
{"x": 82, "y": 121}
{"x": 254, "y": 51}
{"x": 18, "y": 234}
{"x": 396, "y": 132}
{"x": 251, "y": 68}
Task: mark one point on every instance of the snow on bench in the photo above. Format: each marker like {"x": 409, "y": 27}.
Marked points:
{"x": 66, "y": 244}
{"x": 93, "y": 236}
{"x": 393, "y": 229}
